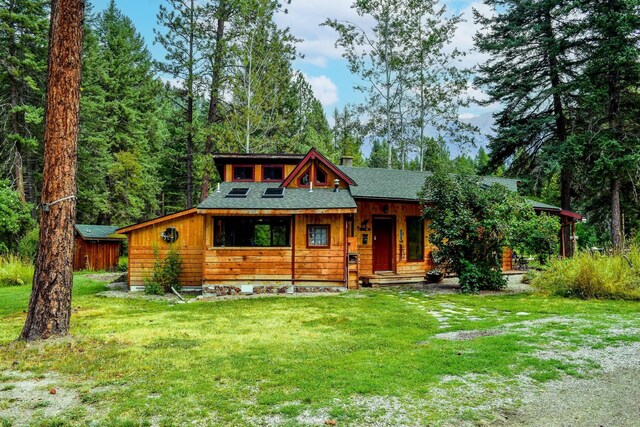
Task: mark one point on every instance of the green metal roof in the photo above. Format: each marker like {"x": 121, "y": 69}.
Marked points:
{"x": 294, "y": 198}
{"x": 376, "y": 183}
{"x": 88, "y": 231}
{"x": 543, "y": 206}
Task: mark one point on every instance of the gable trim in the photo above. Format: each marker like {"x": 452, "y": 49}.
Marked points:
{"x": 130, "y": 228}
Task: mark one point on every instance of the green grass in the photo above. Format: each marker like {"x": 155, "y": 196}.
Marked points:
{"x": 15, "y": 271}
{"x": 254, "y": 361}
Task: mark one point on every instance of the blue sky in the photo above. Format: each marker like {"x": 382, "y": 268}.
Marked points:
{"x": 322, "y": 65}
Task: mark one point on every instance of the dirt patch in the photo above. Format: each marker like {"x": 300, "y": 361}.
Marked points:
{"x": 467, "y": 335}
{"x": 25, "y": 397}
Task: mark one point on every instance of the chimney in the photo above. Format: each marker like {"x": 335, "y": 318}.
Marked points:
{"x": 346, "y": 161}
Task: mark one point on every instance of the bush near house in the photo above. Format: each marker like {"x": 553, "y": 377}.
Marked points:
{"x": 473, "y": 222}
{"x": 592, "y": 275}
{"x": 165, "y": 273}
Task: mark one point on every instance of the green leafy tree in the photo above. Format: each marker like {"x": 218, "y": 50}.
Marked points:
{"x": 347, "y": 135}
{"x": 471, "y": 224}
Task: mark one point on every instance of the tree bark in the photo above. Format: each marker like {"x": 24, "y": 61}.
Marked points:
{"x": 213, "y": 116}
{"x": 50, "y": 305}
{"x": 616, "y": 216}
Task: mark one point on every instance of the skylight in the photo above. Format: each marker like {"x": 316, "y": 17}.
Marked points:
{"x": 274, "y": 193}
{"x": 238, "y": 192}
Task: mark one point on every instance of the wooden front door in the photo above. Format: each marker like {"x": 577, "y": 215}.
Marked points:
{"x": 382, "y": 244}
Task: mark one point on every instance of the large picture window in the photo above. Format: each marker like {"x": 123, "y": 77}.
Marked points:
{"x": 252, "y": 231}
{"x": 318, "y": 236}
{"x": 415, "y": 239}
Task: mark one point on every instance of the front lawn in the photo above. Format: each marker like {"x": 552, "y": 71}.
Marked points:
{"x": 386, "y": 357}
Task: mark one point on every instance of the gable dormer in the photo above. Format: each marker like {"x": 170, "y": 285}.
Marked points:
{"x": 234, "y": 167}
{"x": 315, "y": 169}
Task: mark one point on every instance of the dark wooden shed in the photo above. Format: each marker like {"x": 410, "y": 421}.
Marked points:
{"x": 97, "y": 248}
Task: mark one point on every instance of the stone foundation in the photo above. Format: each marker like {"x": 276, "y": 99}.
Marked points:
{"x": 222, "y": 290}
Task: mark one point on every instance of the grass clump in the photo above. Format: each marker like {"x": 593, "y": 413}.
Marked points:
{"x": 15, "y": 271}
{"x": 589, "y": 276}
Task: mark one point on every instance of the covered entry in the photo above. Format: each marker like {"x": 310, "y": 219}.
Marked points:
{"x": 383, "y": 240}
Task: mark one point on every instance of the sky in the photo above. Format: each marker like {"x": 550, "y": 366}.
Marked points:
{"x": 322, "y": 63}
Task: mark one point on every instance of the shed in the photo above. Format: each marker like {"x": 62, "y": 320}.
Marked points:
{"x": 97, "y": 247}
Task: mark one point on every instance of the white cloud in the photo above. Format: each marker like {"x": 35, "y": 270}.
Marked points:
{"x": 467, "y": 116}
{"x": 324, "y": 89}
{"x": 304, "y": 19}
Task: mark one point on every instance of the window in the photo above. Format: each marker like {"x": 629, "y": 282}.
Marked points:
{"x": 242, "y": 173}
{"x": 304, "y": 179}
{"x": 252, "y": 231}
{"x": 318, "y": 236}
{"x": 272, "y": 173}
{"x": 415, "y": 239}
{"x": 321, "y": 176}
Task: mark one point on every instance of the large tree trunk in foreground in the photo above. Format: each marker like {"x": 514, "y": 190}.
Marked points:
{"x": 50, "y": 304}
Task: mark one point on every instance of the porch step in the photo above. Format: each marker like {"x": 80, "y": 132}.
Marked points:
{"x": 375, "y": 280}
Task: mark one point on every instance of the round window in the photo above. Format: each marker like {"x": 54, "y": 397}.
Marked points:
{"x": 170, "y": 235}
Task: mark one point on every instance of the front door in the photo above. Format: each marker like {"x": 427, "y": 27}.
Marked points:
{"x": 382, "y": 244}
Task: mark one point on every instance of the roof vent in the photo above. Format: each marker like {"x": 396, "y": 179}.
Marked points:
{"x": 238, "y": 193}
{"x": 274, "y": 193}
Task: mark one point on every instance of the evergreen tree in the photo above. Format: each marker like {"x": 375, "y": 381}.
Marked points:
{"x": 121, "y": 125}
{"x": 610, "y": 103}
{"x": 24, "y": 26}
{"x": 531, "y": 72}
{"x": 347, "y": 135}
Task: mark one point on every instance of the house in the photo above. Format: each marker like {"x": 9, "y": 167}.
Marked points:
{"x": 282, "y": 223}
{"x": 97, "y": 247}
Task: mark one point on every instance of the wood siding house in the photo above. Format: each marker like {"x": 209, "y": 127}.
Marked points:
{"x": 295, "y": 223}
{"x": 97, "y": 247}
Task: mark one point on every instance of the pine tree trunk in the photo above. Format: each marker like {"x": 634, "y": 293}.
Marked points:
{"x": 561, "y": 126}
{"x": 616, "y": 216}
{"x": 50, "y": 305}
{"x": 213, "y": 116}
{"x": 189, "y": 159}
{"x": 17, "y": 171}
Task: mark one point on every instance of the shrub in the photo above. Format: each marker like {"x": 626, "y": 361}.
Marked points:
{"x": 475, "y": 277}
{"x": 28, "y": 245}
{"x": 593, "y": 276}
{"x": 151, "y": 287}
{"x": 15, "y": 217}
{"x": 123, "y": 264}
{"x": 166, "y": 272}
{"x": 15, "y": 271}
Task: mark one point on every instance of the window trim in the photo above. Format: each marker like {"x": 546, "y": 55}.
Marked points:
{"x": 233, "y": 173}
{"x": 281, "y": 167}
{"x": 327, "y": 227}
{"x": 315, "y": 178}
{"x": 409, "y": 259}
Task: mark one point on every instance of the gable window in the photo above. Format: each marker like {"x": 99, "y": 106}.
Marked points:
{"x": 252, "y": 231}
{"x": 318, "y": 236}
{"x": 415, "y": 239}
{"x": 321, "y": 176}
{"x": 242, "y": 173}
{"x": 305, "y": 178}
{"x": 272, "y": 173}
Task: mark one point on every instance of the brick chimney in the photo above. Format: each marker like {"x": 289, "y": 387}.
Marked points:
{"x": 346, "y": 161}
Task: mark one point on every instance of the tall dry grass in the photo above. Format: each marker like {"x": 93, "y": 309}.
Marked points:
{"x": 589, "y": 275}
{"x": 15, "y": 270}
